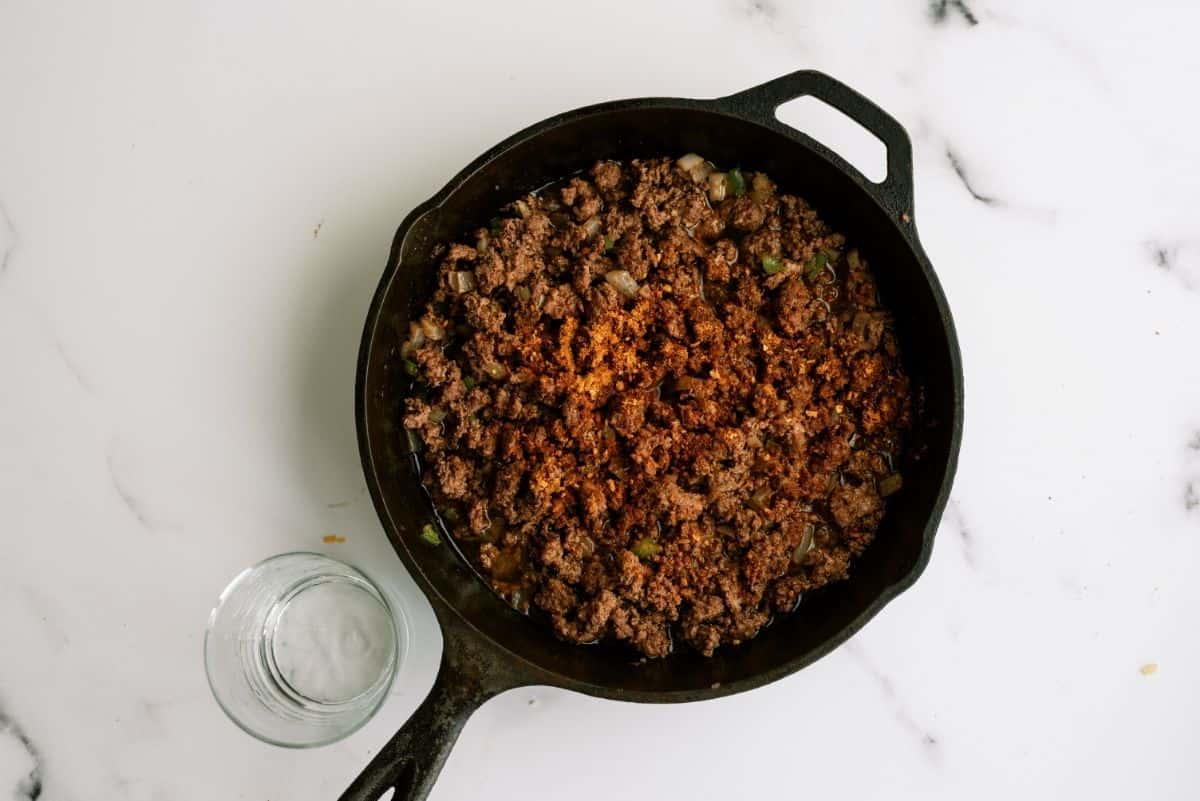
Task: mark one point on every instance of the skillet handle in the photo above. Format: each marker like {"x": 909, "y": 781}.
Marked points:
{"x": 759, "y": 103}
{"x": 471, "y": 672}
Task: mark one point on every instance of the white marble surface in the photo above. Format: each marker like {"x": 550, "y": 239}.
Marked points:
{"x": 196, "y": 200}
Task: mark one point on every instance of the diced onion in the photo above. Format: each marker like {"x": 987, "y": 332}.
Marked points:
{"x": 483, "y": 242}
{"x": 718, "y": 185}
{"x": 432, "y": 329}
{"x": 645, "y": 548}
{"x": 761, "y": 187}
{"x": 806, "y": 545}
{"x": 623, "y": 282}
{"x": 890, "y": 485}
{"x": 462, "y": 281}
{"x": 591, "y": 226}
{"x": 522, "y": 208}
{"x": 415, "y": 335}
{"x": 696, "y": 166}
{"x": 758, "y": 501}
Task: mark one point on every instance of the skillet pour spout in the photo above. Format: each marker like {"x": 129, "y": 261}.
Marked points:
{"x": 488, "y": 647}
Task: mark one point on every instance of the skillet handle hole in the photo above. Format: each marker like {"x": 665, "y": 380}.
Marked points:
{"x": 838, "y": 132}
{"x": 405, "y": 783}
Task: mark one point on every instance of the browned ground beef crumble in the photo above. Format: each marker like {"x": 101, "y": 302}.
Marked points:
{"x": 652, "y": 415}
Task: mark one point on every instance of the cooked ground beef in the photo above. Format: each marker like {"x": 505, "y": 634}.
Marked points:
{"x": 658, "y": 403}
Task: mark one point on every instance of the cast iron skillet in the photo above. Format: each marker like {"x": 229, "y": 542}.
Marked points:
{"x": 489, "y": 648}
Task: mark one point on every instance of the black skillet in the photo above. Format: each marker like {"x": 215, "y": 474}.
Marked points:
{"x": 488, "y": 647}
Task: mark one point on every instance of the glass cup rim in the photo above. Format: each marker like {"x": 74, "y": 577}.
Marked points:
{"x": 400, "y": 635}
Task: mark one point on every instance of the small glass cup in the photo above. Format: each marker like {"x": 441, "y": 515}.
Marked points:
{"x": 301, "y": 649}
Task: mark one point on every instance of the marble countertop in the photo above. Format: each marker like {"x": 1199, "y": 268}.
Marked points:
{"x": 196, "y": 200}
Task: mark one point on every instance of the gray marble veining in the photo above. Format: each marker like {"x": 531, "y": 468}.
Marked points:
{"x": 8, "y": 239}
{"x": 29, "y": 786}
